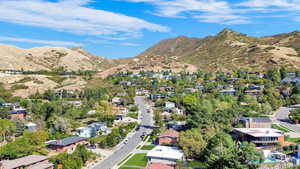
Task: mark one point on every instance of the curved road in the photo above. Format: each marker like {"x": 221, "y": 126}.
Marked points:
{"x": 133, "y": 141}
{"x": 282, "y": 117}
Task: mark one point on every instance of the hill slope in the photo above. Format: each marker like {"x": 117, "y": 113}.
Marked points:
{"x": 50, "y": 58}
{"x": 226, "y": 51}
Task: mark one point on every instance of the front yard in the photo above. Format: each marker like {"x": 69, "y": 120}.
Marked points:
{"x": 137, "y": 161}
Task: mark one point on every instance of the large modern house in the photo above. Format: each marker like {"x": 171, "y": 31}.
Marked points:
{"x": 263, "y": 137}
{"x": 165, "y": 154}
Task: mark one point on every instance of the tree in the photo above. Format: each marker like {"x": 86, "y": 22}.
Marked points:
{"x": 192, "y": 143}
{"x": 7, "y": 128}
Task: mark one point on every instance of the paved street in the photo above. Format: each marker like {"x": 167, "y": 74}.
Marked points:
{"x": 133, "y": 141}
{"x": 281, "y": 117}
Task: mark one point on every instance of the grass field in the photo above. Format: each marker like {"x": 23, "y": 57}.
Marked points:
{"x": 137, "y": 160}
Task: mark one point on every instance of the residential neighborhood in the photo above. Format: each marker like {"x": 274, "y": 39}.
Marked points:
{"x": 148, "y": 124}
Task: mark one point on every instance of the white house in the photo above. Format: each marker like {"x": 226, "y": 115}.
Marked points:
{"x": 116, "y": 100}
{"x": 165, "y": 154}
{"x": 31, "y": 126}
{"x": 86, "y": 132}
{"x": 169, "y": 105}
{"x": 75, "y": 103}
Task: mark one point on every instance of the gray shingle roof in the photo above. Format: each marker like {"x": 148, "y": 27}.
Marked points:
{"x": 66, "y": 141}
{"x": 23, "y": 162}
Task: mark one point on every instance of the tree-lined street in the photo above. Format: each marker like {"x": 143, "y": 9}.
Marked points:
{"x": 125, "y": 149}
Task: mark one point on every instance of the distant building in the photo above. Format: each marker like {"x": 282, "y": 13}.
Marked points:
{"x": 168, "y": 137}
{"x": 67, "y": 144}
{"x": 253, "y": 92}
{"x": 91, "y": 130}
{"x": 156, "y": 96}
{"x": 86, "y": 132}
{"x": 75, "y": 103}
{"x": 228, "y": 91}
{"x": 170, "y": 105}
{"x": 165, "y": 154}
{"x": 256, "y": 122}
{"x": 116, "y": 100}
{"x": 158, "y": 166}
{"x": 31, "y": 126}
{"x": 293, "y": 80}
{"x": 176, "y": 125}
{"x": 30, "y": 162}
{"x": 266, "y": 138}
{"x": 18, "y": 113}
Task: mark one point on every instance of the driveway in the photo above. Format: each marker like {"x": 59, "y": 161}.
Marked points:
{"x": 281, "y": 117}
{"x": 123, "y": 150}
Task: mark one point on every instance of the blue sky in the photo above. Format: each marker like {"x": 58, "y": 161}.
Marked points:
{"x": 124, "y": 28}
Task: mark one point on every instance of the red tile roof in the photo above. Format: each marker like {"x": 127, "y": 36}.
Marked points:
{"x": 159, "y": 166}
{"x": 170, "y": 133}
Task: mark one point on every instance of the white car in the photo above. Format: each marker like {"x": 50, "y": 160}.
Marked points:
{"x": 126, "y": 141}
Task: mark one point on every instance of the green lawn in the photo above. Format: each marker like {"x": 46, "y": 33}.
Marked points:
{"x": 137, "y": 160}
{"x": 294, "y": 140}
{"x": 196, "y": 164}
{"x": 280, "y": 127}
{"x": 147, "y": 147}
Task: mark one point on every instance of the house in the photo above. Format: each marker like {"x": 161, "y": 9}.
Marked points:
{"x": 176, "y": 125}
{"x": 124, "y": 120}
{"x": 86, "y": 132}
{"x": 156, "y": 96}
{"x": 294, "y": 80}
{"x": 125, "y": 83}
{"x": 75, "y": 103}
{"x": 165, "y": 154}
{"x": 228, "y": 91}
{"x": 168, "y": 137}
{"x": 91, "y": 130}
{"x": 266, "y": 138}
{"x": 18, "y": 113}
{"x": 253, "y": 92}
{"x": 31, "y": 126}
{"x": 91, "y": 112}
{"x": 116, "y": 100}
{"x": 256, "y": 122}
{"x": 158, "y": 166}
{"x": 30, "y": 162}
{"x": 68, "y": 144}
{"x": 169, "y": 105}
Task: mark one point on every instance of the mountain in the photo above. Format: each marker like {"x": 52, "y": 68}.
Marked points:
{"x": 50, "y": 58}
{"x": 228, "y": 50}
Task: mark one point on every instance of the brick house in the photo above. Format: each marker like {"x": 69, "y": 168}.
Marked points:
{"x": 68, "y": 144}
{"x": 168, "y": 137}
{"x": 18, "y": 113}
{"x": 30, "y": 162}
